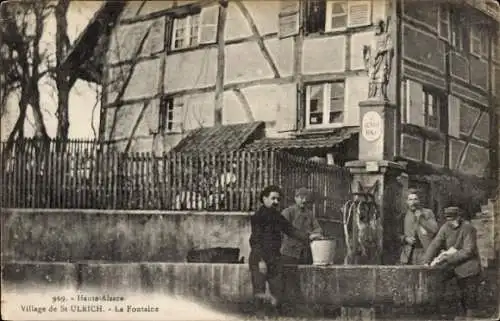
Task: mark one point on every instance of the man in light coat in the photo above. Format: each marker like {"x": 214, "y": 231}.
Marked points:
{"x": 420, "y": 227}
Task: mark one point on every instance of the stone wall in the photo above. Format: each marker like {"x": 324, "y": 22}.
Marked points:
{"x": 396, "y": 288}
{"x": 125, "y": 236}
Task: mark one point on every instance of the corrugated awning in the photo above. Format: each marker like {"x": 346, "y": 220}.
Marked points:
{"x": 323, "y": 141}
{"x": 224, "y": 138}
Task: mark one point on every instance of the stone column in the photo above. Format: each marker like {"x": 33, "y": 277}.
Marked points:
{"x": 376, "y": 172}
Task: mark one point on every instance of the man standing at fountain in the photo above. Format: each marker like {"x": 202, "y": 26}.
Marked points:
{"x": 461, "y": 258}
{"x": 302, "y": 218}
{"x": 420, "y": 227}
{"x": 265, "y": 261}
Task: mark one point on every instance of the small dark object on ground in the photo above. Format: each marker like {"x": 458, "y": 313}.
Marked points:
{"x": 214, "y": 255}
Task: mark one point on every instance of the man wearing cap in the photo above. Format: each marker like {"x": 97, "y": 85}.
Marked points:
{"x": 301, "y": 217}
{"x": 461, "y": 257}
{"x": 420, "y": 227}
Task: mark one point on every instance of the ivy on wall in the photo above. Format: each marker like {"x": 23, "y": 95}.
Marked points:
{"x": 467, "y": 193}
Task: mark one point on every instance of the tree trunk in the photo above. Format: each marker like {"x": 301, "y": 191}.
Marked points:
{"x": 62, "y": 74}
{"x": 41, "y": 130}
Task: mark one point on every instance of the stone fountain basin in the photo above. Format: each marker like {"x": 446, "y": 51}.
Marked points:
{"x": 323, "y": 285}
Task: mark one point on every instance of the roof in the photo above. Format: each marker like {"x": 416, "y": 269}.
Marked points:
{"x": 85, "y": 58}
{"x": 222, "y": 138}
{"x": 323, "y": 141}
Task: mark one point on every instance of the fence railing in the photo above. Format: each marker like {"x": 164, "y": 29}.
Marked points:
{"x": 91, "y": 178}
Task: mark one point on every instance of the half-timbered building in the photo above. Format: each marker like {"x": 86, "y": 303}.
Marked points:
{"x": 290, "y": 75}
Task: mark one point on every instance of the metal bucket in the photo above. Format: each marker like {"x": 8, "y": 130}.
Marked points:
{"x": 323, "y": 251}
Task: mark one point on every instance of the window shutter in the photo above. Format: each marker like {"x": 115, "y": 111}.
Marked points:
{"x": 289, "y": 18}
{"x": 359, "y": 13}
{"x": 416, "y": 104}
{"x": 301, "y": 106}
{"x": 208, "y": 24}
{"x": 475, "y": 39}
{"x": 177, "y": 117}
{"x": 453, "y": 116}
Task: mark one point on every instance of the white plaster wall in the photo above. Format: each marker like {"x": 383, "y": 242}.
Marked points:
{"x": 154, "y": 6}
{"x": 119, "y": 48}
{"x": 282, "y": 52}
{"x": 265, "y": 15}
{"x": 236, "y": 25}
{"x": 356, "y": 89}
{"x": 126, "y": 116}
{"x": 144, "y": 80}
{"x": 125, "y": 39}
{"x": 130, "y": 9}
{"x": 191, "y": 69}
{"x": 358, "y": 40}
{"x": 379, "y": 10}
{"x": 324, "y": 55}
{"x": 269, "y": 103}
{"x": 245, "y": 62}
{"x": 233, "y": 111}
{"x": 198, "y": 110}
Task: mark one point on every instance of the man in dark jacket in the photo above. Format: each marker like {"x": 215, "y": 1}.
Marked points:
{"x": 265, "y": 261}
{"x": 458, "y": 238}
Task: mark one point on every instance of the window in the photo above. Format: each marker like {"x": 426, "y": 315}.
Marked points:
{"x": 431, "y": 108}
{"x": 337, "y": 15}
{"x": 325, "y": 104}
{"x": 170, "y": 118}
{"x": 185, "y": 33}
{"x": 444, "y": 21}
{"x": 457, "y": 31}
{"x": 195, "y": 29}
{"x": 422, "y": 106}
{"x": 479, "y": 39}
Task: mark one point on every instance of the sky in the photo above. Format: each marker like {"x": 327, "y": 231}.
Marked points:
{"x": 83, "y": 96}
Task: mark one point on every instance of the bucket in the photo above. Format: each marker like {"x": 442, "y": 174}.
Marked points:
{"x": 323, "y": 251}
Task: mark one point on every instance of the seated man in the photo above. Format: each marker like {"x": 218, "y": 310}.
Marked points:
{"x": 461, "y": 257}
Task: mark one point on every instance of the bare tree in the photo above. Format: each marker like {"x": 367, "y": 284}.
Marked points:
{"x": 26, "y": 63}
{"x": 63, "y": 76}
{"x": 21, "y": 32}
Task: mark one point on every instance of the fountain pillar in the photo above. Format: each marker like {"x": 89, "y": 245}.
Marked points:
{"x": 376, "y": 172}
